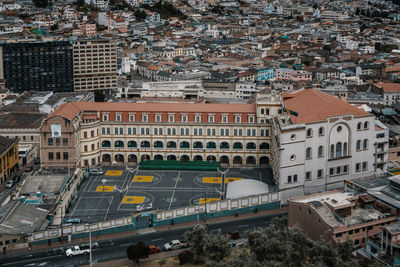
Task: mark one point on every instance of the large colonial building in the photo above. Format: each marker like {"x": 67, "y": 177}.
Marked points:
{"x": 126, "y": 133}
{"x": 327, "y": 142}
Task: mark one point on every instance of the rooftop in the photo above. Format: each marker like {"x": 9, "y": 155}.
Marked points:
{"x": 46, "y": 184}
{"x": 21, "y": 120}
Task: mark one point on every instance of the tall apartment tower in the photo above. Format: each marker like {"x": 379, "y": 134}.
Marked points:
{"x": 40, "y": 66}
{"x": 95, "y": 65}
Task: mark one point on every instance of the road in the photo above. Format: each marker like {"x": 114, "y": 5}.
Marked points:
{"x": 114, "y": 249}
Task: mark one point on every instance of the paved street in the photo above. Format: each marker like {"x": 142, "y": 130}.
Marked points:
{"x": 113, "y": 249}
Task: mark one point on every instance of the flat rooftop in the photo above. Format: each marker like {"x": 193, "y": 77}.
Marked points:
{"x": 46, "y": 184}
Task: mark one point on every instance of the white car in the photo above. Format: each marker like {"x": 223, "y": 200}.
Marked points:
{"x": 76, "y": 250}
{"x": 147, "y": 206}
{"x": 95, "y": 171}
{"x": 175, "y": 244}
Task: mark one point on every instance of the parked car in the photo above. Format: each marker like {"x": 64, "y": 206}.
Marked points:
{"x": 28, "y": 169}
{"x": 76, "y": 250}
{"x": 37, "y": 160}
{"x": 142, "y": 207}
{"x": 233, "y": 235}
{"x": 95, "y": 171}
{"x": 16, "y": 179}
{"x": 175, "y": 244}
{"x": 154, "y": 249}
{"x": 10, "y": 184}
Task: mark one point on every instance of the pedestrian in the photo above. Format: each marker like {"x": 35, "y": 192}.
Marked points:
{"x": 29, "y": 246}
{"x": 4, "y": 250}
{"x": 49, "y": 242}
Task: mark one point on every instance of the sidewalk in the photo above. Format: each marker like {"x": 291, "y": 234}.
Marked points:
{"x": 127, "y": 233}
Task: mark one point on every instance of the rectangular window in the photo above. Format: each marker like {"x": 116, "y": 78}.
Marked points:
{"x": 211, "y": 119}
{"x": 147, "y": 131}
{"x": 115, "y": 130}
{"x": 168, "y": 131}
{"x": 84, "y": 134}
{"x": 118, "y": 118}
{"x": 227, "y": 132}
{"x": 358, "y": 165}
{"x": 58, "y": 155}
{"x": 320, "y": 174}
{"x": 105, "y": 118}
{"x": 171, "y": 118}
{"x": 200, "y": 131}
{"x": 365, "y": 165}
{"x": 57, "y": 141}
{"x": 144, "y": 118}
{"x": 222, "y": 131}
{"x": 182, "y": 131}
{"x": 187, "y": 131}
{"x": 85, "y": 148}
{"x": 184, "y": 118}
{"x": 248, "y": 132}
{"x": 65, "y": 155}
{"x": 50, "y": 141}
{"x": 160, "y": 130}
{"x": 133, "y": 130}
{"x": 224, "y": 119}
{"x": 240, "y": 132}
{"x": 339, "y": 170}
{"x": 198, "y": 119}
{"x": 173, "y": 131}
{"x": 51, "y": 156}
{"x": 129, "y": 131}
{"x": 158, "y": 118}
{"x": 108, "y": 131}
{"x": 295, "y": 178}
{"x": 253, "y": 132}
{"x": 65, "y": 141}
{"x": 155, "y": 131}
{"x": 331, "y": 171}
{"x": 131, "y": 118}
{"x": 235, "y": 132}
{"x": 103, "y": 130}
{"x": 251, "y": 119}
{"x": 237, "y": 119}
{"x": 289, "y": 179}
{"x": 308, "y": 176}
{"x": 142, "y": 131}
{"x": 121, "y": 130}
{"x": 92, "y": 147}
{"x": 346, "y": 169}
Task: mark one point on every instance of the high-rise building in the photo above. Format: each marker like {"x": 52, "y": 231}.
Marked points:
{"x": 40, "y": 66}
{"x": 95, "y": 65}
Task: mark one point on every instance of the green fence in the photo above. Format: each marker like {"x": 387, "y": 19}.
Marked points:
{"x": 179, "y": 165}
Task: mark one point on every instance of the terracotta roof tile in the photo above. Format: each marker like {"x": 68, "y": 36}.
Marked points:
{"x": 389, "y": 87}
{"x": 314, "y": 106}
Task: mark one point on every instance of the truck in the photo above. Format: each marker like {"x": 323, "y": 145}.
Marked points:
{"x": 175, "y": 244}
{"x": 76, "y": 250}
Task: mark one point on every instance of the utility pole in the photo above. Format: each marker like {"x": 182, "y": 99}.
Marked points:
{"x": 90, "y": 245}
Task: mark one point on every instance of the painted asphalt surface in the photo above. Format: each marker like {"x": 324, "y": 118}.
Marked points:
{"x": 118, "y": 192}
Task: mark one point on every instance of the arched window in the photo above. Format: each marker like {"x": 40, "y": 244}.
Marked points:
{"x": 344, "y": 149}
{"x": 366, "y": 125}
{"x": 321, "y": 131}
{"x": 332, "y": 151}
{"x": 365, "y": 144}
{"x": 320, "y": 151}
{"x": 308, "y": 153}
{"x": 359, "y": 126}
{"x": 338, "y": 149}
{"x": 309, "y": 132}
{"x": 358, "y": 145}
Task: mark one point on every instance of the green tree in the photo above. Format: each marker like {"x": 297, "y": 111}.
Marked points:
{"x": 186, "y": 256}
{"x": 138, "y": 251}
{"x": 217, "y": 247}
{"x": 197, "y": 237}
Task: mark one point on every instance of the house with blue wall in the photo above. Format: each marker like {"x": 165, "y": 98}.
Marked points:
{"x": 265, "y": 73}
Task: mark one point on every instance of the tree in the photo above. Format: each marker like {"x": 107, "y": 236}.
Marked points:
{"x": 217, "y": 247}
{"x": 138, "y": 251}
{"x": 185, "y": 257}
{"x": 197, "y": 236}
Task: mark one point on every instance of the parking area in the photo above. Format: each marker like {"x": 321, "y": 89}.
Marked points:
{"x": 121, "y": 192}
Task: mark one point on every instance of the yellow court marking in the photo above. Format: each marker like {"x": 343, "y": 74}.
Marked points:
{"x": 211, "y": 180}
{"x": 208, "y": 200}
{"x": 144, "y": 179}
{"x": 132, "y": 200}
{"x": 105, "y": 188}
{"x": 113, "y": 173}
{"x": 230, "y": 179}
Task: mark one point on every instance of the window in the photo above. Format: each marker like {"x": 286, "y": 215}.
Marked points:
{"x": 105, "y": 118}
{"x": 235, "y": 132}
{"x": 331, "y": 171}
{"x": 359, "y": 126}
{"x": 158, "y": 118}
{"x": 338, "y": 234}
{"x": 308, "y": 176}
{"x": 118, "y": 118}
{"x": 58, "y": 155}
{"x": 211, "y": 119}
{"x": 103, "y": 130}
{"x": 65, "y": 141}
{"x": 144, "y": 118}
{"x": 345, "y": 149}
{"x": 356, "y": 231}
{"x": 308, "y": 153}
{"x": 320, "y": 151}
{"x": 147, "y": 131}
{"x": 358, "y": 165}
{"x": 108, "y": 131}
{"x": 253, "y": 132}
{"x": 293, "y": 137}
{"x": 227, "y": 132}
{"x": 366, "y": 125}
{"x": 320, "y": 173}
{"x": 85, "y": 148}
{"x": 321, "y": 131}
{"x": 51, "y": 156}
{"x": 195, "y": 131}
{"x": 184, "y": 118}
{"x": 262, "y": 132}
{"x": 131, "y": 118}
{"x": 129, "y": 131}
{"x": 338, "y": 149}
{"x": 289, "y": 179}
{"x": 240, "y": 132}
{"x": 133, "y": 130}
{"x": 365, "y": 144}
{"x": 65, "y": 155}
{"x": 358, "y": 145}
{"x": 197, "y": 118}
{"x": 295, "y": 178}
{"x": 121, "y": 130}
{"x": 251, "y": 119}
{"x": 292, "y": 157}
{"x": 339, "y": 128}
{"x": 248, "y": 132}
{"x": 237, "y": 119}
{"x": 115, "y": 130}
{"x": 171, "y": 118}
{"x": 338, "y": 169}
{"x": 224, "y": 119}
{"x": 222, "y": 131}
{"x": 365, "y": 165}
{"x": 57, "y": 141}
{"x": 187, "y": 131}
{"x": 50, "y": 141}
{"x": 182, "y": 131}
{"x": 346, "y": 169}
{"x": 84, "y": 134}
{"x": 142, "y": 131}
{"x": 309, "y": 132}
{"x": 208, "y": 131}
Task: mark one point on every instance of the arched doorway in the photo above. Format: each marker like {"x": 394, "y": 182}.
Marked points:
{"x": 106, "y": 144}
{"x": 264, "y": 160}
{"x": 211, "y": 158}
{"x": 250, "y": 160}
{"x": 132, "y": 158}
{"x": 251, "y": 145}
{"x": 264, "y": 145}
{"x": 119, "y": 158}
{"x": 171, "y": 157}
{"x": 237, "y": 160}
{"x": 145, "y": 157}
{"x": 171, "y": 144}
{"x": 224, "y": 159}
{"x": 158, "y": 144}
{"x": 106, "y": 158}
{"x": 185, "y": 158}
{"x": 158, "y": 157}
{"x": 198, "y": 157}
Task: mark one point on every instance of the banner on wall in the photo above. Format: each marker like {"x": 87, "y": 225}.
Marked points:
{"x": 56, "y": 130}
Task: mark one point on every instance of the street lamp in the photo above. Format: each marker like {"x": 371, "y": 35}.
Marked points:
{"x": 90, "y": 244}
{"x": 103, "y": 181}
{"x": 223, "y": 181}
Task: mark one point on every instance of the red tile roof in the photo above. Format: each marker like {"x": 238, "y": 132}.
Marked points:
{"x": 389, "y": 87}
{"x": 315, "y": 106}
{"x": 72, "y": 109}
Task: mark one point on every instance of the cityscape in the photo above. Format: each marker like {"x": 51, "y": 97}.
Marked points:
{"x": 199, "y": 133}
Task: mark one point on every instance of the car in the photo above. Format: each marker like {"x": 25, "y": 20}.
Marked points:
{"x": 28, "y": 169}
{"x": 10, "y": 184}
{"x": 76, "y": 250}
{"x": 95, "y": 171}
{"x": 154, "y": 249}
{"x": 37, "y": 160}
{"x": 233, "y": 235}
{"x": 74, "y": 220}
{"x": 175, "y": 244}
{"x": 142, "y": 207}
{"x": 16, "y": 179}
